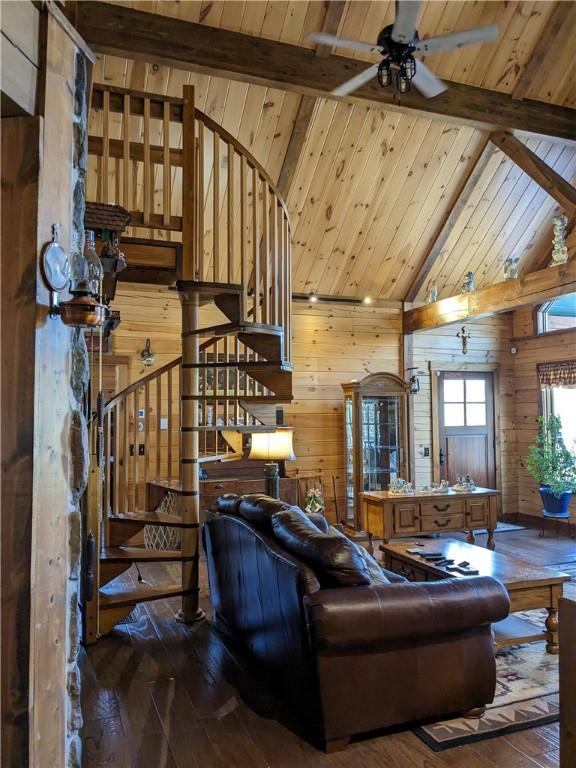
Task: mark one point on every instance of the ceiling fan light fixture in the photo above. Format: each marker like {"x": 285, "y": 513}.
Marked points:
{"x": 408, "y": 68}
{"x": 402, "y": 83}
{"x": 385, "y": 74}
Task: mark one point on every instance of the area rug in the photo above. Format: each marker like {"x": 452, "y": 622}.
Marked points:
{"x": 526, "y": 696}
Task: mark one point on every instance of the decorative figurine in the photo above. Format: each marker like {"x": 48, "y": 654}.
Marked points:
{"x": 463, "y": 335}
{"x": 400, "y": 487}
{"x": 431, "y": 294}
{"x": 314, "y": 501}
{"x": 468, "y": 283}
{"x": 560, "y": 251}
{"x": 511, "y": 268}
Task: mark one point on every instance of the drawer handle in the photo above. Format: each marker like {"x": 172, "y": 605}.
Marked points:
{"x": 219, "y": 485}
{"x": 441, "y": 524}
{"x": 442, "y": 509}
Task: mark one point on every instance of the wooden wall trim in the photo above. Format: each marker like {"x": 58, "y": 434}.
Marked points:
{"x": 169, "y": 41}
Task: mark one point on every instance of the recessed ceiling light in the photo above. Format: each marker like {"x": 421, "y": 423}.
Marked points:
{"x": 367, "y": 300}
{"x": 312, "y": 297}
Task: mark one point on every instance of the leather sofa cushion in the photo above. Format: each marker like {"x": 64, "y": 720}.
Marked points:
{"x": 228, "y": 503}
{"x": 257, "y": 509}
{"x": 333, "y": 558}
{"x": 377, "y": 575}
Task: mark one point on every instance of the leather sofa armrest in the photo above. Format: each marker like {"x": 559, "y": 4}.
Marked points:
{"x": 365, "y": 617}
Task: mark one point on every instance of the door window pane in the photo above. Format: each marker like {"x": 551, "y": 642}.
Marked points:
{"x": 475, "y": 391}
{"x": 453, "y": 414}
{"x": 475, "y": 414}
{"x": 453, "y": 391}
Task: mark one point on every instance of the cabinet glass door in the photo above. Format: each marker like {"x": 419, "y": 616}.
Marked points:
{"x": 381, "y": 418}
{"x": 349, "y": 428}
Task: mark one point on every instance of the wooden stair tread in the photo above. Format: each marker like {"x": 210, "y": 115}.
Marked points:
{"x": 226, "y": 329}
{"x": 139, "y": 555}
{"x": 151, "y": 518}
{"x": 244, "y": 398}
{"x": 279, "y": 366}
{"x": 114, "y": 595}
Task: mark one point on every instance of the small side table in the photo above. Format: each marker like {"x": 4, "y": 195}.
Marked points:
{"x": 557, "y": 518}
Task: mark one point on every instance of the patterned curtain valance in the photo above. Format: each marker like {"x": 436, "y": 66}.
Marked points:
{"x": 557, "y": 374}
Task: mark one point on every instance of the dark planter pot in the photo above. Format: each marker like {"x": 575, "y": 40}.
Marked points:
{"x": 555, "y": 507}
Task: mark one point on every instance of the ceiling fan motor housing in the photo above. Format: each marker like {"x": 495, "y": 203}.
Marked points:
{"x": 396, "y": 52}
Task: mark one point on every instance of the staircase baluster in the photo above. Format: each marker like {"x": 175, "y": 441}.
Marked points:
{"x": 255, "y": 245}
{"x": 147, "y": 190}
{"x": 126, "y": 162}
{"x": 243, "y": 238}
{"x": 105, "y": 146}
{"x": 216, "y": 208}
{"x": 158, "y": 426}
{"x": 170, "y": 426}
{"x": 200, "y": 201}
{"x": 136, "y": 449}
{"x": 265, "y": 252}
{"x": 231, "y": 232}
{"x": 146, "y": 435}
{"x": 116, "y": 459}
{"x": 166, "y": 166}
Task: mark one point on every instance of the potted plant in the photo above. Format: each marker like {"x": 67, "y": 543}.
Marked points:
{"x": 553, "y": 466}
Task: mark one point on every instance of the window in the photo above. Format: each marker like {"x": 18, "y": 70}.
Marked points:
{"x": 561, "y": 402}
{"x": 464, "y": 402}
{"x": 558, "y": 314}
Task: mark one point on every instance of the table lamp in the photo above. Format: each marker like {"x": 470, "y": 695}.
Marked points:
{"x": 272, "y": 447}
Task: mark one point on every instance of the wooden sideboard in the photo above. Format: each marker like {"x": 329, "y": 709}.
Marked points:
{"x": 386, "y": 516}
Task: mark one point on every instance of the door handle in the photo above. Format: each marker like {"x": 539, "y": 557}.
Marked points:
{"x": 442, "y": 458}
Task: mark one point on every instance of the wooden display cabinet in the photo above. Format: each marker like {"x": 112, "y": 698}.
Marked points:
{"x": 375, "y": 433}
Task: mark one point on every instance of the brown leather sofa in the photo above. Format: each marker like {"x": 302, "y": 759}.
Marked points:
{"x": 351, "y": 659}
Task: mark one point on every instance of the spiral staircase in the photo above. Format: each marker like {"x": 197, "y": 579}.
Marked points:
{"x": 235, "y": 258}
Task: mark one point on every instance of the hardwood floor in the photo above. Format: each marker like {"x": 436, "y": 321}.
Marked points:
{"x": 159, "y": 694}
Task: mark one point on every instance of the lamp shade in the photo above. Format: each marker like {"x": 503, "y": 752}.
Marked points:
{"x": 272, "y": 446}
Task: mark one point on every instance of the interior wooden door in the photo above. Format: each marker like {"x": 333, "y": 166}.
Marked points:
{"x": 466, "y": 426}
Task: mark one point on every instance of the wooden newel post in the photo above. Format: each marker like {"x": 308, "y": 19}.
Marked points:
{"x": 189, "y": 474}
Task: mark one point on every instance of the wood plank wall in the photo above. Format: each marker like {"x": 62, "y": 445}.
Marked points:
{"x": 489, "y": 344}
{"x": 531, "y": 350}
{"x": 332, "y": 343}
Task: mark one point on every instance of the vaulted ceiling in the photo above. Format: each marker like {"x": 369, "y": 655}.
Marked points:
{"x": 371, "y": 189}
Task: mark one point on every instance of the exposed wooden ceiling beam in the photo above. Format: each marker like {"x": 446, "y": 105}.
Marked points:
{"x": 561, "y": 22}
{"x": 168, "y": 41}
{"x": 467, "y": 186}
{"x": 334, "y": 13}
{"x": 532, "y": 288}
{"x": 545, "y": 176}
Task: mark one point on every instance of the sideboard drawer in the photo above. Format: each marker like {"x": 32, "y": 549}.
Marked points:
{"x": 477, "y": 512}
{"x": 406, "y": 518}
{"x": 409, "y": 571}
{"x": 443, "y": 523}
{"x": 442, "y": 507}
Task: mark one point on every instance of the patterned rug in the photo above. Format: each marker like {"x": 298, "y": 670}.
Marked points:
{"x": 526, "y": 696}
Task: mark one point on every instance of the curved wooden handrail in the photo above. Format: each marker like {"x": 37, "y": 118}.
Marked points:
{"x": 241, "y": 149}
{"x": 141, "y": 382}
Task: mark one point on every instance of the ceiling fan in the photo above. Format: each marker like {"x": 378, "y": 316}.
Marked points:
{"x": 397, "y": 42}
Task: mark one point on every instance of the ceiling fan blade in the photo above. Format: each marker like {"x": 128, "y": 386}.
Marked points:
{"x": 458, "y": 39}
{"x": 357, "y": 81}
{"x": 407, "y": 13}
{"x": 339, "y": 42}
{"x": 426, "y": 81}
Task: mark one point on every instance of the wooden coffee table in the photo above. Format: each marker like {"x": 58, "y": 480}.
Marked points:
{"x": 528, "y": 586}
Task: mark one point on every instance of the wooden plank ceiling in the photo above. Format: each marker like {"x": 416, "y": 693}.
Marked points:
{"x": 372, "y": 188}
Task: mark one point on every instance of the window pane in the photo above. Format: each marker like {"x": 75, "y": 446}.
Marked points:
{"x": 476, "y": 390}
{"x": 454, "y": 414}
{"x": 475, "y": 414}
{"x": 564, "y": 406}
{"x": 453, "y": 391}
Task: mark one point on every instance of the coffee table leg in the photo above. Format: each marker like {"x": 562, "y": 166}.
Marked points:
{"x": 491, "y": 544}
{"x": 470, "y": 537}
{"x": 552, "y": 645}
